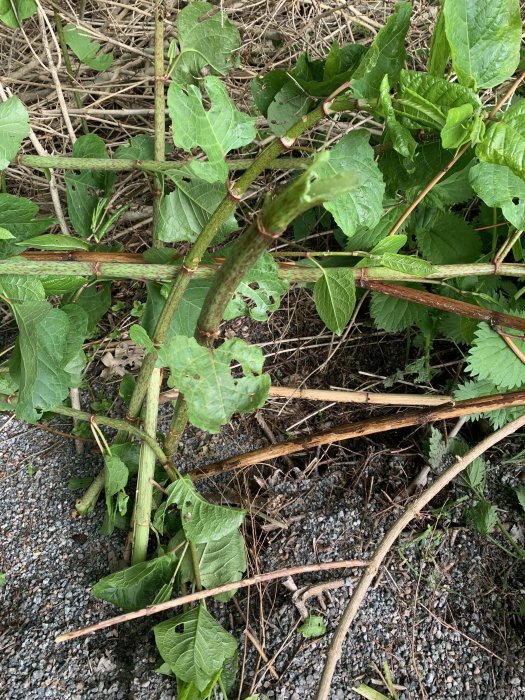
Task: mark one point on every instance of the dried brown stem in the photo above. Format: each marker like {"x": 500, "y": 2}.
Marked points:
{"x": 340, "y": 396}
{"x": 435, "y": 301}
{"x": 336, "y": 645}
{"x": 201, "y": 595}
{"x": 361, "y": 428}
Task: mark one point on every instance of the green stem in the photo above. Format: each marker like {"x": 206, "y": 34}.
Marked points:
{"x": 159, "y": 131}
{"x": 69, "y": 68}
{"x": 144, "y": 494}
{"x": 294, "y": 273}
{"x": 149, "y": 166}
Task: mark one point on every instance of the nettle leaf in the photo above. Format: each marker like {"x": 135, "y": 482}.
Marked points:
{"x": 116, "y": 479}
{"x": 83, "y": 190}
{"x": 490, "y": 358}
{"x": 204, "y": 377}
{"x": 204, "y": 39}
{"x": 185, "y": 212}
{"x": 199, "y": 651}
{"x": 314, "y": 626}
{"x": 334, "y": 297}
{"x": 437, "y": 448}
{"x": 362, "y": 206}
{"x": 14, "y": 127}
{"x": 390, "y": 244}
{"x": 262, "y": 287}
{"x": 499, "y": 187}
{"x": 136, "y": 587}
{"x": 474, "y": 389}
{"x": 424, "y": 100}
{"x": 55, "y": 241}
{"x": 45, "y": 360}
{"x": 454, "y": 189}
{"x": 439, "y": 47}
{"x": 484, "y": 40}
{"x": 392, "y": 314}
{"x": 18, "y": 216}
{"x": 202, "y": 521}
{"x": 504, "y": 142}
{"x": 402, "y": 140}
{"x": 85, "y": 49}
{"x": 12, "y": 12}
{"x": 445, "y": 238}
{"x": 475, "y": 475}
{"x": 483, "y": 517}
{"x": 386, "y": 55}
{"x": 216, "y": 131}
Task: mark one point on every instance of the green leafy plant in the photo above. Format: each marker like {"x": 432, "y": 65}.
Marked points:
{"x": 436, "y": 199}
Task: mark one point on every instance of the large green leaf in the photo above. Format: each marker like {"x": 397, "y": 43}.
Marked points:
{"x": 216, "y": 131}
{"x": 262, "y": 287}
{"x": 499, "y": 187}
{"x": 202, "y": 521}
{"x": 491, "y": 358}
{"x": 44, "y": 362}
{"x": 204, "y": 40}
{"x": 136, "y": 587}
{"x": 14, "y": 127}
{"x": 424, "y": 100}
{"x": 13, "y": 12}
{"x": 83, "y": 190}
{"x": 95, "y": 300}
{"x": 445, "y": 238}
{"x": 185, "y": 212}
{"x": 362, "y": 206}
{"x": 199, "y": 651}
{"x": 18, "y": 216}
{"x": 484, "y": 39}
{"x": 386, "y": 55}
{"x": 288, "y": 106}
{"x": 141, "y": 147}
{"x": 504, "y": 142}
{"x": 85, "y": 49}
{"x": 205, "y": 378}
{"x": 334, "y": 296}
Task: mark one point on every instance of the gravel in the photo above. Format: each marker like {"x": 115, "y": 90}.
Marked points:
{"x": 435, "y": 615}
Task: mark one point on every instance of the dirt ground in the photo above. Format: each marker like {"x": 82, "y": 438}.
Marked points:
{"x": 444, "y": 612}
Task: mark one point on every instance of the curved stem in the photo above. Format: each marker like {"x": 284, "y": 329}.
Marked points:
{"x": 336, "y": 645}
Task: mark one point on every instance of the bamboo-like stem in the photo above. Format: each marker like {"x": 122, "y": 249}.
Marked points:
{"x": 359, "y": 593}
{"x": 341, "y": 396}
{"x": 371, "y": 426}
{"x": 270, "y": 224}
{"x": 144, "y": 493}
{"x": 209, "y": 593}
{"x": 149, "y": 166}
{"x": 159, "y": 129}
{"x": 75, "y": 263}
{"x": 496, "y": 319}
